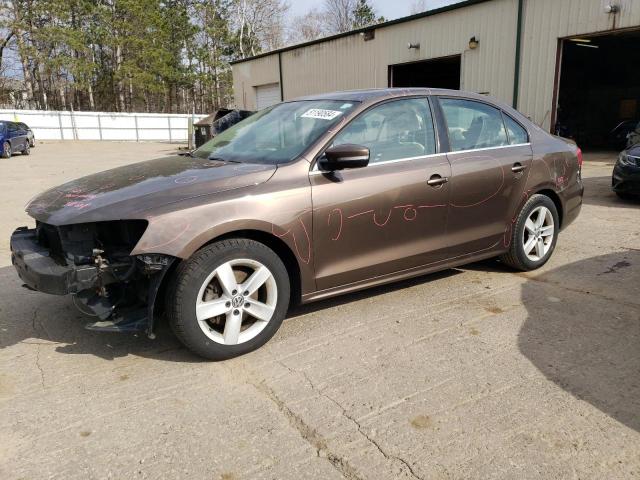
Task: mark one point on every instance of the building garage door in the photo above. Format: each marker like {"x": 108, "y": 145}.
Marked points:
{"x": 598, "y": 99}
{"x": 267, "y": 95}
{"x": 435, "y": 73}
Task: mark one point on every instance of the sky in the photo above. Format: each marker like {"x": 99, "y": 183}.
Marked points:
{"x": 390, "y": 9}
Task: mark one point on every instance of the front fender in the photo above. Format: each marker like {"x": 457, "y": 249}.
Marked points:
{"x": 285, "y": 213}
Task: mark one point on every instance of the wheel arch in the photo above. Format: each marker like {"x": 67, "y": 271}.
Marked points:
{"x": 272, "y": 241}
{"x": 280, "y": 248}
{"x": 555, "y": 198}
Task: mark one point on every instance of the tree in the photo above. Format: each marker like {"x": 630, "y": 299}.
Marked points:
{"x": 307, "y": 27}
{"x": 363, "y": 15}
{"x": 133, "y": 55}
{"x": 344, "y": 15}
{"x": 259, "y": 24}
{"x": 339, "y": 15}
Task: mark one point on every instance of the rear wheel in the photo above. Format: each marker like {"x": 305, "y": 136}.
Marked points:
{"x": 534, "y": 235}
{"x": 6, "y": 150}
{"x": 228, "y": 299}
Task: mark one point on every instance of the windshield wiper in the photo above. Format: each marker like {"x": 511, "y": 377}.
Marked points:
{"x": 223, "y": 159}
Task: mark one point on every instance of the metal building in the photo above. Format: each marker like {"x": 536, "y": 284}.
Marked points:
{"x": 575, "y": 63}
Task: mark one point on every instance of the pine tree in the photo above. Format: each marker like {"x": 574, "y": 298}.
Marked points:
{"x": 363, "y": 15}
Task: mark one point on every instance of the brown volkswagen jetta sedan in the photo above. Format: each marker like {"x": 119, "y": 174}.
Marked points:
{"x": 304, "y": 200}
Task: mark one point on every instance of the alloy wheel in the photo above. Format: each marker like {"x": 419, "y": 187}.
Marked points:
{"x": 236, "y": 301}
{"x": 539, "y": 230}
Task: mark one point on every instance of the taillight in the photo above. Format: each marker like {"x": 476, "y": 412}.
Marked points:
{"x": 580, "y": 159}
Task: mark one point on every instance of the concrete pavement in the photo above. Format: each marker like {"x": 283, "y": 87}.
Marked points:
{"x": 477, "y": 372}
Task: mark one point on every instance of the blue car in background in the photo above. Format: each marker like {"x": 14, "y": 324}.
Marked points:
{"x": 14, "y": 137}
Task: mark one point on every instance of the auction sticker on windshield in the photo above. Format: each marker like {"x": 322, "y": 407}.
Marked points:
{"x": 321, "y": 113}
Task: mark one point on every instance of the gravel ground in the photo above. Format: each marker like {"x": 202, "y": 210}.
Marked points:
{"x": 475, "y": 372}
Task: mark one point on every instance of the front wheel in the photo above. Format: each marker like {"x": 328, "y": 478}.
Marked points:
{"x": 228, "y": 299}
{"x": 534, "y": 234}
{"x": 27, "y": 149}
{"x": 6, "y": 150}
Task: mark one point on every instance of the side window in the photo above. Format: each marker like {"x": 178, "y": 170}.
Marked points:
{"x": 517, "y": 134}
{"x": 13, "y": 127}
{"x": 473, "y": 125}
{"x": 393, "y": 131}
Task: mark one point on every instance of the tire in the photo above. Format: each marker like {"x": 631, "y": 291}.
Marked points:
{"x": 27, "y": 149}
{"x": 522, "y": 234}
{"x": 32, "y": 142}
{"x": 6, "y": 150}
{"x": 201, "y": 286}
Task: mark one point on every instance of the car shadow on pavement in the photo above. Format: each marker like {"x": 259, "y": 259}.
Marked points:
{"x": 34, "y": 318}
{"x": 582, "y": 331}
{"x": 597, "y": 191}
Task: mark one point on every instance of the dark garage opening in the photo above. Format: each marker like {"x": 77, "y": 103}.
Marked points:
{"x": 599, "y": 89}
{"x": 437, "y": 73}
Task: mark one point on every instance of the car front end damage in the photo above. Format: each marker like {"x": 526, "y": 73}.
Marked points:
{"x": 93, "y": 263}
{"x": 626, "y": 173}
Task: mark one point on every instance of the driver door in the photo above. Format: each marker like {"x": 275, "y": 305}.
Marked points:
{"x": 383, "y": 218}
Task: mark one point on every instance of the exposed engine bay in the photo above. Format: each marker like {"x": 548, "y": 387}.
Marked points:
{"x": 93, "y": 263}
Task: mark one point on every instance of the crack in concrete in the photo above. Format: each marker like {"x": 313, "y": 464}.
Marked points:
{"x": 35, "y": 319}
{"x": 39, "y": 367}
{"x": 308, "y": 433}
{"x": 355, "y": 421}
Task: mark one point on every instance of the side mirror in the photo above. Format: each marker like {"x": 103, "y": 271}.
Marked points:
{"x": 344, "y": 156}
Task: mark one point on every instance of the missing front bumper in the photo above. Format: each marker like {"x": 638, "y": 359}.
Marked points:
{"x": 39, "y": 271}
{"x": 91, "y": 284}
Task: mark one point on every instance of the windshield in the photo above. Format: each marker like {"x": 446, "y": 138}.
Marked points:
{"x": 277, "y": 134}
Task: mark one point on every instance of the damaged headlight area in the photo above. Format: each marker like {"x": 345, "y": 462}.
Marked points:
{"x": 93, "y": 262}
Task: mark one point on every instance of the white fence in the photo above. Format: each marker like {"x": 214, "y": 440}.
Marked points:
{"x": 137, "y": 127}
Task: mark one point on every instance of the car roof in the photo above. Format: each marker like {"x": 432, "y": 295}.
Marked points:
{"x": 372, "y": 94}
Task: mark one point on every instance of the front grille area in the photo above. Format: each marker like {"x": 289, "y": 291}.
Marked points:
{"x": 48, "y": 236}
{"x": 75, "y": 244}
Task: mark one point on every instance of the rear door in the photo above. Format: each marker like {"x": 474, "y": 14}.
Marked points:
{"x": 14, "y": 136}
{"x": 25, "y": 131}
{"x": 490, "y": 156}
{"x": 386, "y": 217}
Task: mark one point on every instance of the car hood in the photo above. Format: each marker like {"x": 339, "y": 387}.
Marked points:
{"x": 127, "y": 192}
{"x": 634, "y": 150}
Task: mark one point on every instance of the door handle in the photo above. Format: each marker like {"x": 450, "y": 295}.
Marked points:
{"x": 437, "y": 181}
{"x": 518, "y": 167}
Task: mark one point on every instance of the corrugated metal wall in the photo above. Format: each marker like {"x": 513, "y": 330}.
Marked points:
{"x": 545, "y": 22}
{"x": 350, "y": 62}
{"x": 248, "y": 75}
